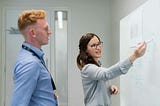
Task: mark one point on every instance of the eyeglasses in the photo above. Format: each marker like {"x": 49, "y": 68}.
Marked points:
{"x": 95, "y": 45}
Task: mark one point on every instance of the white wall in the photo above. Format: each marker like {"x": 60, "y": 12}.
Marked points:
{"x": 86, "y": 16}
{"x": 119, "y": 9}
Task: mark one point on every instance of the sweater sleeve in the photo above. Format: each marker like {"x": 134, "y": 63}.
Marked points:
{"x": 101, "y": 73}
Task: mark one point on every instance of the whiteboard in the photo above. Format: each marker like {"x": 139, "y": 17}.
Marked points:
{"x": 141, "y": 85}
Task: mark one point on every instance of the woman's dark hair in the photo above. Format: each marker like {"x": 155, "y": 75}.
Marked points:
{"x": 83, "y": 57}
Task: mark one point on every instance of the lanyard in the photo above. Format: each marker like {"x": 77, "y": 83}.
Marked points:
{"x": 42, "y": 61}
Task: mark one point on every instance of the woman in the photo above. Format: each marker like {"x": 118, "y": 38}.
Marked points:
{"x": 95, "y": 79}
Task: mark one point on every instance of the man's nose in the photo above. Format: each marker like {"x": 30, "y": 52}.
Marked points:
{"x": 49, "y": 32}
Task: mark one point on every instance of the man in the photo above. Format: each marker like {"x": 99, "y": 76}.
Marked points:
{"x": 33, "y": 84}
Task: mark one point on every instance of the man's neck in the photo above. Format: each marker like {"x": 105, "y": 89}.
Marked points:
{"x": 34, "y": 44}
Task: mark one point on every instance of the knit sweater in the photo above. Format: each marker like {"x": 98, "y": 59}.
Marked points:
{"x": 95, "y": 81}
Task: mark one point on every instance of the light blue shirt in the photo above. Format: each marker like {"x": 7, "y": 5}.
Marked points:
{"x": 32, "y": 81}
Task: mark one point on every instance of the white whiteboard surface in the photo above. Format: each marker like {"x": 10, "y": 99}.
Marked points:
{"x": 141, "y": 85}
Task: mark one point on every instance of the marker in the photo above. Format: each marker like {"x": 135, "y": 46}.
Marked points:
{"x": 148, "y": 41}
{"x": 112, "y": 92}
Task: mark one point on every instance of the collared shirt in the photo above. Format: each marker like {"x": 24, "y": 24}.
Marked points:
{"x": 32, "y": 81}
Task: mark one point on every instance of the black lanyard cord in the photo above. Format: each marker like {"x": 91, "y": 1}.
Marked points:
{"x": 30, "y": 50}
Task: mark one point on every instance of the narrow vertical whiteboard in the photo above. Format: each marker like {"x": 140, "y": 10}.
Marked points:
{"x": 141, "y": 86}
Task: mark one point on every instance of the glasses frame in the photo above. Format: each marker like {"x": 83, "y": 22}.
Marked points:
{"x": 95, "y": 45}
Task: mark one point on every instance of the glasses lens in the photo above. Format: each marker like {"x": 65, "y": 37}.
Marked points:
{"x": 98, "y": 44}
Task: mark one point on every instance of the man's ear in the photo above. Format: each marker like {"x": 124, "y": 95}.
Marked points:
{"x": 32, "y": 33}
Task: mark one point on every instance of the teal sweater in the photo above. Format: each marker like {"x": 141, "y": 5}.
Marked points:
{"x": 95, "y": 81}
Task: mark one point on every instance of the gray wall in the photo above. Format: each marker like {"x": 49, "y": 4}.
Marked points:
{"x": 0, "y": 56}
{"x": 119, "y": 9}
{"x": 85, "y": 16}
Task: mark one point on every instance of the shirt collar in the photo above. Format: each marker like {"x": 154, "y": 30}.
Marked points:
{"x": 38, "y": 51}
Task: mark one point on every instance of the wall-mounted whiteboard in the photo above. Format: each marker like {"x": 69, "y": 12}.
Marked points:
{"x": 141, "y": 85}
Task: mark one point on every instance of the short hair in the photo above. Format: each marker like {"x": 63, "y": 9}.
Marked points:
{"x": 29, "y": 17}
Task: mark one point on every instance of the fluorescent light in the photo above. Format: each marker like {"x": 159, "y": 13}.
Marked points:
{"x": 60, "y": 19}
